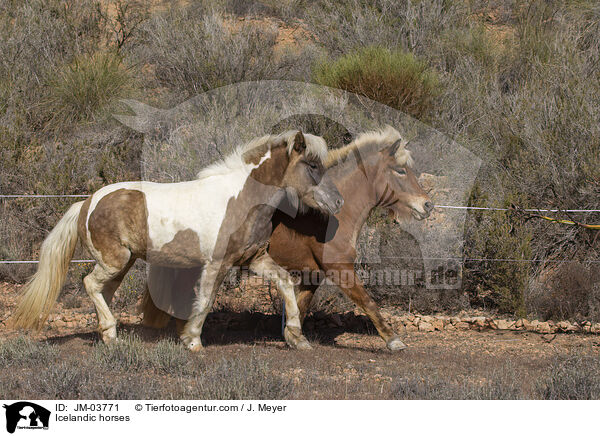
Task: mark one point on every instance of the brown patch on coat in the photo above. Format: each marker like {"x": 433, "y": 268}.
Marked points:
{"x": 81, "y": 229}
{"x": 183, "y": 250}
{"x": 118, "y": 226}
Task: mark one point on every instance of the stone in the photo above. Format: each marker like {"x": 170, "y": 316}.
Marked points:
{"x": 504, "y": 324}
{"x": 479, "y": 321}
{"x": 544, "y": 327}
{"x": 454, "y": 320}
{"x": 438, "y": 324}
{"x": 463, "y": 326}
{"x": 595, "y": 328}
{"x": 532, "y": 326}
{"x": 428, "y": 319}
{"x": 425, "y": 327}
{"x": 564, "y": 325}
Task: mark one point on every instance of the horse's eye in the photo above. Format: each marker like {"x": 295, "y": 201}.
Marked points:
{"x": 400, "y": 171}
{"x": 312, "y": 165}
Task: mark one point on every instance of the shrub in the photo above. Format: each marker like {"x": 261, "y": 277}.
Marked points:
{"x": 394, "y": 78}
{"x": 572, "y": 378}
{"x": 195, "y": 50}
{"x": 128, "y": 353}
{"x": 566, "y": 291}
{"x": 238, "y": 379}
{"x": 498, "y": 283}
{"x": 86, "y": 85}
{"x": 65, "y": 380}
{"x": 24, "y": 351}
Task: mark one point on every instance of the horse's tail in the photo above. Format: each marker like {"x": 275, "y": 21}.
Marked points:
{"x": 153, "y": 316}
{"x": 41, "y": 291}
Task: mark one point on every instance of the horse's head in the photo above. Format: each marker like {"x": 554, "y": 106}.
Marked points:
{"x": 397, "y": 187}
{"x": 305, "y": 180}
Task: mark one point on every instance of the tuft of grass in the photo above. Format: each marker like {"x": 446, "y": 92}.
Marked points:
{"x": 501, "y": 385}
{"x": 237, "y": 379}
{"x": 392, "y": 77}
{"x": 169, "y": 357}
{"x": 128, "y": 353}
{"x": 572, "y": 378}
{"x": 88, "y": 84}
{"x": 65, "y": 380}
{"x": 24, "y": 351}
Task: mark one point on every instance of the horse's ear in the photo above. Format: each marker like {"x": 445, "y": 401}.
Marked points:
{"x": 394, "y": 147}
{"x": 299, "y": 142}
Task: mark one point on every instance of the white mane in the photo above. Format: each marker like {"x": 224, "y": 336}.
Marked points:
{"x": 315, "y": 147}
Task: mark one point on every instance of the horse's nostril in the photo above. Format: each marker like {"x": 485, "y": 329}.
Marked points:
{"x": 428, "y": 206}
{"x": 339, "y": 202}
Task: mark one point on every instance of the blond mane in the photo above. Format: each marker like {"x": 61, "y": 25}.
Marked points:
{"x": 378, "y": 139}
{"x": 316, "y": 147}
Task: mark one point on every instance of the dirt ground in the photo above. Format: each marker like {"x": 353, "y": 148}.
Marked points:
{"x": 348, "y": 361}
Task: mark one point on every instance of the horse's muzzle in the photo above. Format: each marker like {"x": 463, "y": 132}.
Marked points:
{"x": 328, "y": 197}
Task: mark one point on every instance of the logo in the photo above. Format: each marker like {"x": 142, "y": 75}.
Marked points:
{"x": 26, "y": 415}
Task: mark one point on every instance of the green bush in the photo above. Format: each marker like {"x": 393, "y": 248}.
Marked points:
{"x": 86, "y": 85}
{"x": 497, "y": 235}
{"x": 394, "y": 78}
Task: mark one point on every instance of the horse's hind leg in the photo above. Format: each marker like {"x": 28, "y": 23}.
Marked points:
{"x": 266, "y": 267}
{"x": 210, "y": 280}
{"x": 101, "y": 285}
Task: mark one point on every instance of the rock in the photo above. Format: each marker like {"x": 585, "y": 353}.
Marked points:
{"x": 454, "y": 320}
{"x": 450, "y": 327}
{"x": 595, "y": 328}
{"x": 544, "y": 327}
{"x": 425, "y": 327}
{"x": 59, "y": 323}
{"x": 565, "y": 326}
{"x": 504, "y": 324}
{"x": 410, "y": 327}
{"x": 532, "y": 326}
{"x": 438, "y": 324}
{"x": 463, "y": 326}
{"x": 428, "y": 319}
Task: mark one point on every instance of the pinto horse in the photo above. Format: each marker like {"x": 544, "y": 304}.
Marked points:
{"x": 221, "y": 219}
{"x": 372, "y": 171}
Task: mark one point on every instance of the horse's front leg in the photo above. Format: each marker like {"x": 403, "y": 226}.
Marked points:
{"x": 206, "y": 292}
{"x": 267, "y": 268}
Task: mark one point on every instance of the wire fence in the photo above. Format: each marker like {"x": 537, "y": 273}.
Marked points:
{"x": 444, "y": 206}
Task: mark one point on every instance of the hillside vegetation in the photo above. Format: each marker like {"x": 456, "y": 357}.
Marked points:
{"x": 516, "y": 82}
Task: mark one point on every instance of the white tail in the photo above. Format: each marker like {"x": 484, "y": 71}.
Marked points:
{"x": 41, "y": 291}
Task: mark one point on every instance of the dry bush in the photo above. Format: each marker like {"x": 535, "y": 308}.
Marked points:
{"x": 569, "y": 291}
{"x": 239, "y": 379}
{"x": 197, "y": 49}
{"x": 571, "y": 378}
{"x": 25, "y": 351}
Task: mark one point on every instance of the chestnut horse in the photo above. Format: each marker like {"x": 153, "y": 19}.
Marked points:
{"x": 372, "y": 171}
{"x": 221, "y": 219}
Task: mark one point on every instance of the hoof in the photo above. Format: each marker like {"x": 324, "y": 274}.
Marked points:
{"x": 193, "y": 344}
{"x": 109, "y": 335}
{"x": 303, "y": 344}
{"x": 295, "y": 339}
{"x": 395, "y": 344}
{"x": 195, "y": 347}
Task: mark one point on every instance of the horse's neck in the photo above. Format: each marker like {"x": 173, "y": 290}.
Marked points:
{"x": 357, "y": 188}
